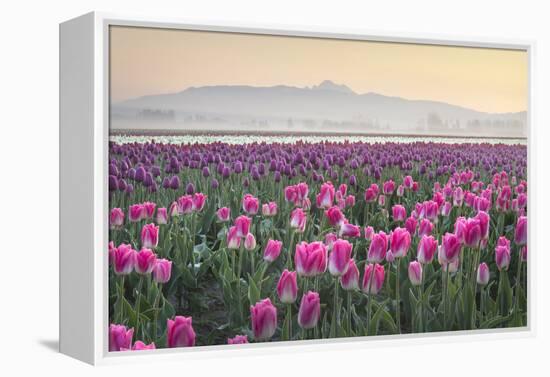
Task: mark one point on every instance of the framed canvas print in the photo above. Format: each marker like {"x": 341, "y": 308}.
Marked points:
{"x": 228, "y": 188}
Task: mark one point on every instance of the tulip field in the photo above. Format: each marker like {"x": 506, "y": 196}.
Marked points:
{"x": 231, "y": 240}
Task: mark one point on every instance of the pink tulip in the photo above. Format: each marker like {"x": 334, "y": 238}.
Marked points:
{"x": 382, "y": 200}
{"x": 179, "y": 332}
{"x": 427, "y": 246}
{"x": 199, "y": 200}
{"x": 298, "y": 220}
{"x": 446, "y": 209}
{"x": 502, "y": 257}
{"x": 136, "y": 212}
{"x": 238, "y": 339}
{"x": 242, "y": 225}
{"x": 149, "y": 209}
{"x": 400, "y": 241}
{"x": 112, "y": 248}
{"x": 251, "y": 205}
{"x": 399, "y": 213}
{"x": 410, "y": 225}
{"x": 484, "y": 223}
{"x": 145, "y": 261}
{"x": 483, "y": 274}
{"x": 287, "y": 287}
{"x": 310, "y": 259}
{"x": 269, "y": 209}
{"x": 185, "y": 204}
{"x": 415, "y": 187}
{"x": 429, "y": 211}
{"x": 330, "y": 238}
{"x": 264, "y": 319}
{"x": 482, "y": 204}
{"x": 503, "y": 241}
{"x": 389, "y": 257}
{"x": 388, "y": 187}
{"x": 140, "y": 346}
{"x": 369, "y": 232}
{"x": 116, "y": 218}
{"x": 350, "y": 279}
{"x": 224, "y": 214}
{"x": 400, "y": 191}
{"x": 233, "y": 239}
{"x": 310, "y": 310}
{"x": 378, "y": 247}
{"x": 472, "y": 233}
{"x": 272, "y": 250}
{"x": 520, "y": 235}
{"x": 120, "y": 338}
{"x": 408, "y": 182}
{"x": 325, "y": 198}
{"x": 149, "y": 236}
{"x": 371, "y": 194}
{"x": 523, "y": 253}
{"x": 174, "y": 209}
{"x": 350, "y": 201}
{"x": 162, "y": 216}
{"x": 250, "y": 242}
{"x": 339, "y": 257}
{"x": 425, "y": 228}
{"x": 335, "y": 216}
{"x": 377, "y": 279}
{"x": 350, "y": 230}
{"x": 124, "y": 258}
{"x": 458, "y": 197}
{"x": 415, "y": 273}
{"x": 449, "y": 249}
{"x": 162, "y": 271}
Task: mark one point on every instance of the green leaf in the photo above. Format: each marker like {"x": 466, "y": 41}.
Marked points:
{"x": 253, "y": 291}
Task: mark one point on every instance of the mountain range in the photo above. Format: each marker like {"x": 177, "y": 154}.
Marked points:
{"x": 327, "y": 107}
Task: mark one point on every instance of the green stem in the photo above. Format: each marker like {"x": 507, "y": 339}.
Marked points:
{"x": 397, "y": 299}
{"x": 446, "y": 298}
{"x": 336, "y": 312}
{"x": 138, "y": 303}
{"x": 518, "y": 280}
{"x": 120, "y": 316}
{"x": 155, "y": 312}
{"x": 349, "y": 313}
{"x": 289, "y": 320}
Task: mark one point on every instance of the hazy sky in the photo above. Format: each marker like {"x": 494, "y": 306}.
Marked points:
{"x": 154, "y": 61}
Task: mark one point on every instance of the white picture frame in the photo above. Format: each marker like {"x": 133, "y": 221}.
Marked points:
{"x": 84, "y": 120}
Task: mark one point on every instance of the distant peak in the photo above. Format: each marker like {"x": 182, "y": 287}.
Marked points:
{"x": 330, "y": 85}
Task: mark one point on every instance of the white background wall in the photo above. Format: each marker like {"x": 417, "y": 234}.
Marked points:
{"x": 29, "y": 183}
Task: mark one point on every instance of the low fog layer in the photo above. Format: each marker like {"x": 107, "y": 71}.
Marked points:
{"x": 325, "y": 108}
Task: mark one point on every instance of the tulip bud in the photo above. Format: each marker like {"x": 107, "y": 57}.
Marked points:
{"x": 272, "y": 250}
{"x": 233, "y": 239}
{"x": 415, "y": 273}
{"x": 149, "y": 209}
{"x": 399, "y": 213}
{"x": 400, "y": 241}
{"x": 263, "y": 316}
{"x": 502, "y": 257}
{"x": 425, "y": 228}
{"x": 251, "y": 204}
{"x": 330, "y": 238}
{"x": 472, "y": 233}
{"x": 120, "y": 338}
{"x": 298, "y": 220}
{"x": 140, "y": 346}
{"x": 162, "y": 216}
{"x": 350, "y": 230}
{"x": 162, "y": 271}
{"x": 242, "y": 225}
{"x": 369, "y": 232}
{"x": 520, "y": 234}
{"x": 410, "y": 225}
{"x": 326, "y": 195}
{"x": 378, "y": 247}
{"x": 382, "y": 200}
{"x": 224, "y": 214}
{"x": 149, "y": 236}
{"x": 269, "y": 209}
{"x": 335, "y": 216}
{"x": 136, "y": 212}
{"x": 427, "y": 246}
{"x": 523, "y": 253}
{"x": 339, "y": 257}
{"x": 124, "y": 258}
{"x": 250, "y": 242}
{"x": 449, "y": 249}
{"x": 310, "y": 259}
{"x": 145, "y": 261}
{"x": 238, "y": 339}
{"x": 389, "y": 256}
{"x": 179, "y": 332}
{"x": 350, "y": 279}
{"x": 310, "y": 310}
{"x": 377, "y": 279}
{"x": 483, "y": 274}
{"x": 117, "y": 218}
{"x": 287, "y": 288}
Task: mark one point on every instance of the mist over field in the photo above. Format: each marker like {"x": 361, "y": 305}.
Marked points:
{"x": 324, "y": 108}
